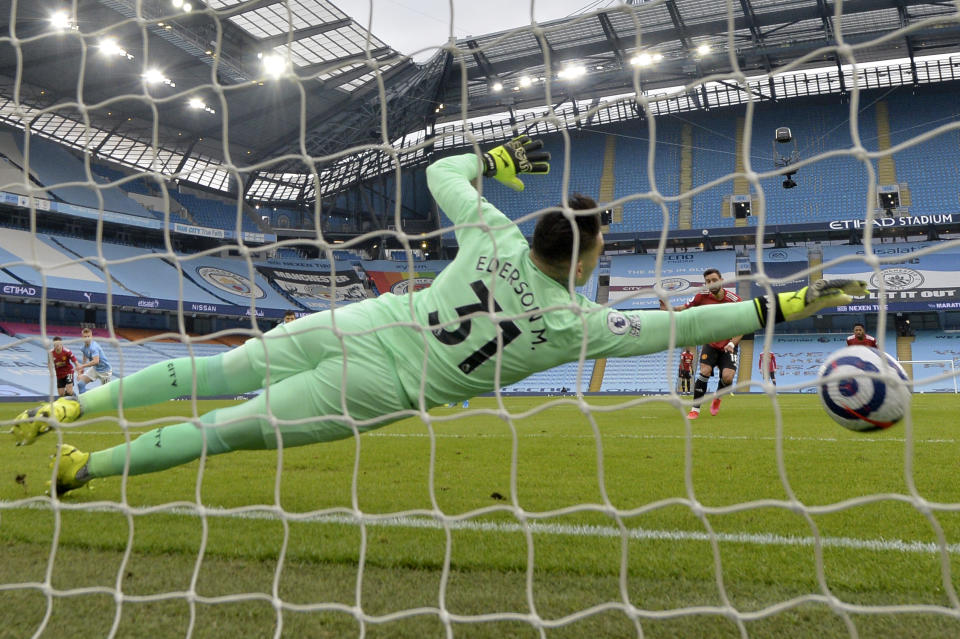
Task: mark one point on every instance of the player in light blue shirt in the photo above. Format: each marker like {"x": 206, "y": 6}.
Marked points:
{"x": 95, "y": 365}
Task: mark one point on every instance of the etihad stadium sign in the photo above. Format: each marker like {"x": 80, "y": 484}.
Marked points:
{"x": 890, "y": 222}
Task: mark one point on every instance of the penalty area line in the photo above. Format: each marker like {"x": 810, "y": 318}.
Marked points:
{"x": 585, "y": 530}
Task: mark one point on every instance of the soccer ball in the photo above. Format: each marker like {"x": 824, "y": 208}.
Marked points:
{"x": 857, "y": 400}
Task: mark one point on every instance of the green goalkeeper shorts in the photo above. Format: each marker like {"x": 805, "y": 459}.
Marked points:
{"x": 319, "y": 384}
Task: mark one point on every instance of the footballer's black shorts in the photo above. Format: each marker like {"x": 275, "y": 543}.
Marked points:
{"x": 684, "y": 374}
{"x": 63, "y": 381}
{"x": 718, "y": 358}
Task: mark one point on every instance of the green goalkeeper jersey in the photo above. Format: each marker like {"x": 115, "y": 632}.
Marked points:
{"x": 459, "y": 352}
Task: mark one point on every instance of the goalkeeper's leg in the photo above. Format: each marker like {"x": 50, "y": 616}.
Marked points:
{"x": 303, "y": 409}
{"x": 285, "y": 350}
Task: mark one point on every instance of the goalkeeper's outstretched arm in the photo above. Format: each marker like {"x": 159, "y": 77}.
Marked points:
{"x": 451, "y": 179}
{"x": 625, "y": 334}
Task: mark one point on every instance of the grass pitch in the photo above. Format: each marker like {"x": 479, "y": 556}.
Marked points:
{"x": 619, "y": 521}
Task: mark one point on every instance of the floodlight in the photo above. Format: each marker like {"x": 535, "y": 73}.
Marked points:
{"x": 274, "y": 65}
{"x": 641, "y": 60}
{"x": 497, "y": 86}
{"x": 60, "y": 20}
{"x": 187, "y": 7}
{"x": 177, "y": 3}
{"x": 196, "y": 103}
{"x": 153, "y": 76}
{"x": 703, "y": 49}
{"x": 109, "y": 46}
{"x": 572, "y": 72}
{"x": 525, "y": 81}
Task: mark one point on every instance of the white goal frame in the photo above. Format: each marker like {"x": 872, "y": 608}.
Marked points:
{"x": 953, "y": 368}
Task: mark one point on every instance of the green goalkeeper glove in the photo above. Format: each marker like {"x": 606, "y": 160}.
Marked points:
{"x": 519, "y": 155}
{"x": 810, "y": 299}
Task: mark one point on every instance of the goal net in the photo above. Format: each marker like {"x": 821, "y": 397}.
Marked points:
{"x": 180, "y": 210}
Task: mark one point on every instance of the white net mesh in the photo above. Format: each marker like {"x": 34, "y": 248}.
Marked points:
{"x": 513, "y": 516}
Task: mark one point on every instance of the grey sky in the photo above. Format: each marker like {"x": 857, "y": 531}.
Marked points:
{"x": 418, "y": 27}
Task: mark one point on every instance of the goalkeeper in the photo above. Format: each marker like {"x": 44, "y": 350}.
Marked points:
{"x": 500, "y": 312}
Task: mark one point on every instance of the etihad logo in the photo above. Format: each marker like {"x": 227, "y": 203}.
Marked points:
{"x": 13, "y": 289}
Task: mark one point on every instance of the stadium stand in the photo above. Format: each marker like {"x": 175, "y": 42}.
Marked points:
{"x": 11, "y": 166}
{"x": 25, "y": 357}
{"x": 647, "y": 374}
{"x": 939, "y": 348}
{"x": 213, "y": 213}
{"x": 64, "y": 331}
{"x": 932, "y": 184}
{"x": 57, "y": 269}
{"x": 799, "y": 356}
{"x": 229, "y": 280}
{"x": 53, "y": 165}
{"x": 831, "y": 188}
{"x": 24, "y": 366}
{"x": 631, "y": 175}
{"x": 139, "y": 185}
{"x": 682, "y": 275}
{"x": 713, "y": 158}
{"x": 554, "y": 380}
{"x": 139, "y": 272}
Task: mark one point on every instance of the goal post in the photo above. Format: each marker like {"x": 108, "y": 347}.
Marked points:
{"x": 934, "y": 375}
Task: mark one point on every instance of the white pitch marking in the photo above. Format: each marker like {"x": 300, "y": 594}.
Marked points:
{"x": 791, "y": 438}
{"x": 757, "y": 539}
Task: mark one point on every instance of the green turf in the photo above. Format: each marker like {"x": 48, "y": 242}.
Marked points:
{"x": 633, "y": 465}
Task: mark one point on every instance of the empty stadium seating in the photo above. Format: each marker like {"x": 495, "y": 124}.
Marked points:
{"x": 646, "y": 374}
{"x": 799, "y": 357}
{"x": 938, "y": 349}
{"x": 214, "y": 213}
{"x": 554, "y": 380}
{"x": 54, "y": 165}
{"x": 23, "y": 356}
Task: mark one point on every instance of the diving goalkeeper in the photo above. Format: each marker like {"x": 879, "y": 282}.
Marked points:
{"x": 500, "y": 312}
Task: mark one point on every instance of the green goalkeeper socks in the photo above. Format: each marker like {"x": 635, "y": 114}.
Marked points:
{"x": 171, "y": 379}
{"x": 158, "y": 449}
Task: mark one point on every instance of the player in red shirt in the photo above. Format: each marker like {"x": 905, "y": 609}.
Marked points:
{"x": 722, "y": 354}
{"x": 63, "y": 362}
{"x": 686, "y": 369}
{"x": 860, "y": 337}
{"x": 771, "y": 365}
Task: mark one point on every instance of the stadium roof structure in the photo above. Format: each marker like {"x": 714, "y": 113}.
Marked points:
{"x": 288, "y": 86}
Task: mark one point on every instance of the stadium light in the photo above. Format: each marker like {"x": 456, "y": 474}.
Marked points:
{"x": 641, "y": 60}
{"x": 196, "y": 103}
{"x": 60, "y": 21}
{"x": 703, "y": 49}
{"x": 497, "y": 86}
{"x": 177, "y": 3}
{"x": 109, "y": 46}
{"x": 187, "y": 7}
{"x": 273, "y": 64}
{"x": 525, "y": 81}
{"x": 155, "y": 76}
{"x": 572, "y": 72}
